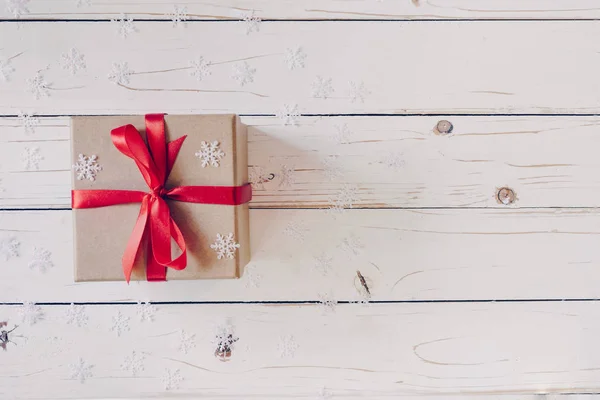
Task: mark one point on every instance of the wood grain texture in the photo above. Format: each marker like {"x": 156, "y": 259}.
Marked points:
{"x": 316, "y": 9}
{"x": 387, "y": 350}
{"x": 402, "y": 254}
{"x": 391, "y": 161}
{"x": 451, "y": 68}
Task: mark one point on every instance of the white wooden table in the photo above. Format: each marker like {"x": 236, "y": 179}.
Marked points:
{"x": 479, "y": 245}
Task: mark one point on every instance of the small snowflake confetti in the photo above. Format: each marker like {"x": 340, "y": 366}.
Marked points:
{"x": 257, "y": 178}
{"x": 73, "y": 61}
{"x": 125, "y": 26}
{"x": 288, "y": 114}
{"x": 81, "y": 370}
{"x": 294, "y": 57}
{"x": 171, "y": 379}
{"x": 225, "y": 246}
{"x": 76, "y": 315}
{"x": 31, "y": 158}
{"x": 120, "y": 73}
{"x": 38, "y": 86}
{"x": 358, "y": 92}
{"x": 242, "y": 73}
{"x": 17, "y": 7}
{"x": 295, "y": 230}
{"x": 351, "y": 246}
{"x": 327, "y": 302}
{"x": 344, "y": 199}
{"x": 225, "y": 338}
{"x": 80, "y": 3}
{"x": 287, "y": 177}
{"x": 29, "y": 122}
{"x": 146, "y": 311}
{"x": 342, "y": 134}
{"x": 287, "y": 346}
{"x": 251, "y": 22}
{"x": 394, "y": 161}
{"x": 31, "y": 313}
{"x": 251, "y": 277}
{"x": 200, "y": 68}
{"x": 87, "y": 167}
{"x": 6, "y": 70}
{"x": 179, "y": 15}
{"x": 133, "y": 363}
{"x": 323, "y": 264}
{"x": 209, "y": 154}
{"x": 321, "y": 88}
{"x": 186, "y": 342}
{"x": 331, "y": 168}
{"x": 41, "y": 260}
{"x": 120, "y": 323}
{"x": 324, "y": 394}
{"x": 9, "y": 247}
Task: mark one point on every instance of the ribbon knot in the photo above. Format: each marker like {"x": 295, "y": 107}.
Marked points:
{"x": 159, "y": 192}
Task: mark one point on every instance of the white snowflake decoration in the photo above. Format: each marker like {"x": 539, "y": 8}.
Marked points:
{"x": 76, "y": 315}
{"x": 394, "y": 161}
{"x": 200, "y": 68}
{"x": 351, "y": 246}
{"x": 171, "y": 379}
{"x": 257, "y": 177}
{"x": 31, "y": 158}
{"x": 30, "y": 313}
{"x": 294, "y": 58}
{"x": 87, "y": 167}
{"x": 225, "y": 246}
{"x": 288, "y": 114}
{"x": 225, "y": 337}
{"x": 321, "y": 88}
{"x": 323, "y": 264}
{"x": 38, "y": 86}
{"x": 120, "y": 323}
{"x": 120, "y": 73}
{"x": 133, "y": 363}
{"x": 186, "y": 342}
{"x": 327, "y": 302}
{"x": 9, "y": 247}
{"x": 342, "y": 134}
{"x": 146, "y": 311}
{"x": 287, "y": 346}
{"x": 29, "y": 122}
{"x": 73, "y": 61}
{"x": 324, "y": 394}
{"x": 251, "y": 22}
{"x": 287, "y": 176}
{"x": 17, "y": 7}
{"x": 358, "y": 92}
{"x": 6, "y": 69}
{"x": 81, "y": 370}
{"x": 80, "y": 3}
{"x": 41, "y": 260}
{"x": 296, "y": 230}
{"x": 251, "y": 277}
{"x": 344, "y": 199}
{"x": 209, "y": 154}
{"x": 242, "y": 73}
{"x": 179, "y": 15}
{"x": 331, "y": 168}
{"x": 125, "y": 26}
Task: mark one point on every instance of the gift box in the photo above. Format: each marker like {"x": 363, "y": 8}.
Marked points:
{"x": 139, "y": 202}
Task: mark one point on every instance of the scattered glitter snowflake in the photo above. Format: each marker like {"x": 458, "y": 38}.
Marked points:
{"x": 324, "y": 394}
{"x": 331, "y": 168}
{"x": 146, "y": 311}
{"x": 342, "y": 134}
{"x": 87, "y": 167}
{"x": 288, "y": 114}
{"x": 225, "y": 339}
{"x": 186, "y": 342}
{"x": 171, "y": 379}
{"x": 133, "y": 363}
{"x": 17, "y": 7}
{"x": 344, "y": 199}
{"x": 251, "y": 277}
{"x": 287, "y": 346}
{"x": 294, "y": 57}
{"x": 351, "y": 246}
{"x": 120, "y": 73}
{"x": 30, "y": 313}
{"x": 80, "y": 3}
{"x": 287, "y": 177}
{"x": 120, "y": 323}
{"x": 125, "y": 26}
{"x": 81, "y": 370}
{"x": 321, "y": 88}
{"x": 200, "y": 68}
{"x": 394, "y": 161}
{"x": 38, "y": 86}
{"x": 9, "y": 247}
{"x": 179, "y": 15}
{"x": 75, "y": 314}
{"x": 73, "y": 61}
{"x": 41, "y": 260}
{"x": 209, "y": 154}
{"x": 327, "y": 302}
{"x": 6, "y": 70}
{"x": 323, "y": 264}
{"x": 29, "y": 122}
{"x": 296, "y": 230}
{"x": 225, "y": 246}
{"x": 251, "y": 22}
{"x": 243, "y": 73}
{"x": 257, "y": 178}
{"x": 358, "y": 92}
{"x": 31, "y": 158}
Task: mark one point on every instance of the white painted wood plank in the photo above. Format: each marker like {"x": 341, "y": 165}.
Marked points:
{"x": 392, "y": 161}
{"x": 313, "y": 9}
{"x": 375, "y": 351}
{"x": 421, "y": 67}
{"x": 402, "y": 254}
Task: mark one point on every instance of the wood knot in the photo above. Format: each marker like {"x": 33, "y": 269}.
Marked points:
{"x": 443, "y": 127}
{"x": 506, "y": 196}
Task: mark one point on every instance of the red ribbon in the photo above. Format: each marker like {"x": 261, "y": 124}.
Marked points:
{"x": 155, "y": 162}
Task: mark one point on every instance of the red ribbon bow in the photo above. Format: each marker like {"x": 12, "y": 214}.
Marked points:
{"x": 155, "y": 162}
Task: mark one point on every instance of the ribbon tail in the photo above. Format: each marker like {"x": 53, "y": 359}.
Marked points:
{"x": 172, "y": 151}
{"x": 135, "y": 240}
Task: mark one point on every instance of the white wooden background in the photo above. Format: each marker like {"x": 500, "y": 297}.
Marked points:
{"x": 471, "y": 297}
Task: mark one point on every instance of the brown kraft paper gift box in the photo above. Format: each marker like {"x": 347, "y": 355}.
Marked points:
{"x": 101, "y": 234}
